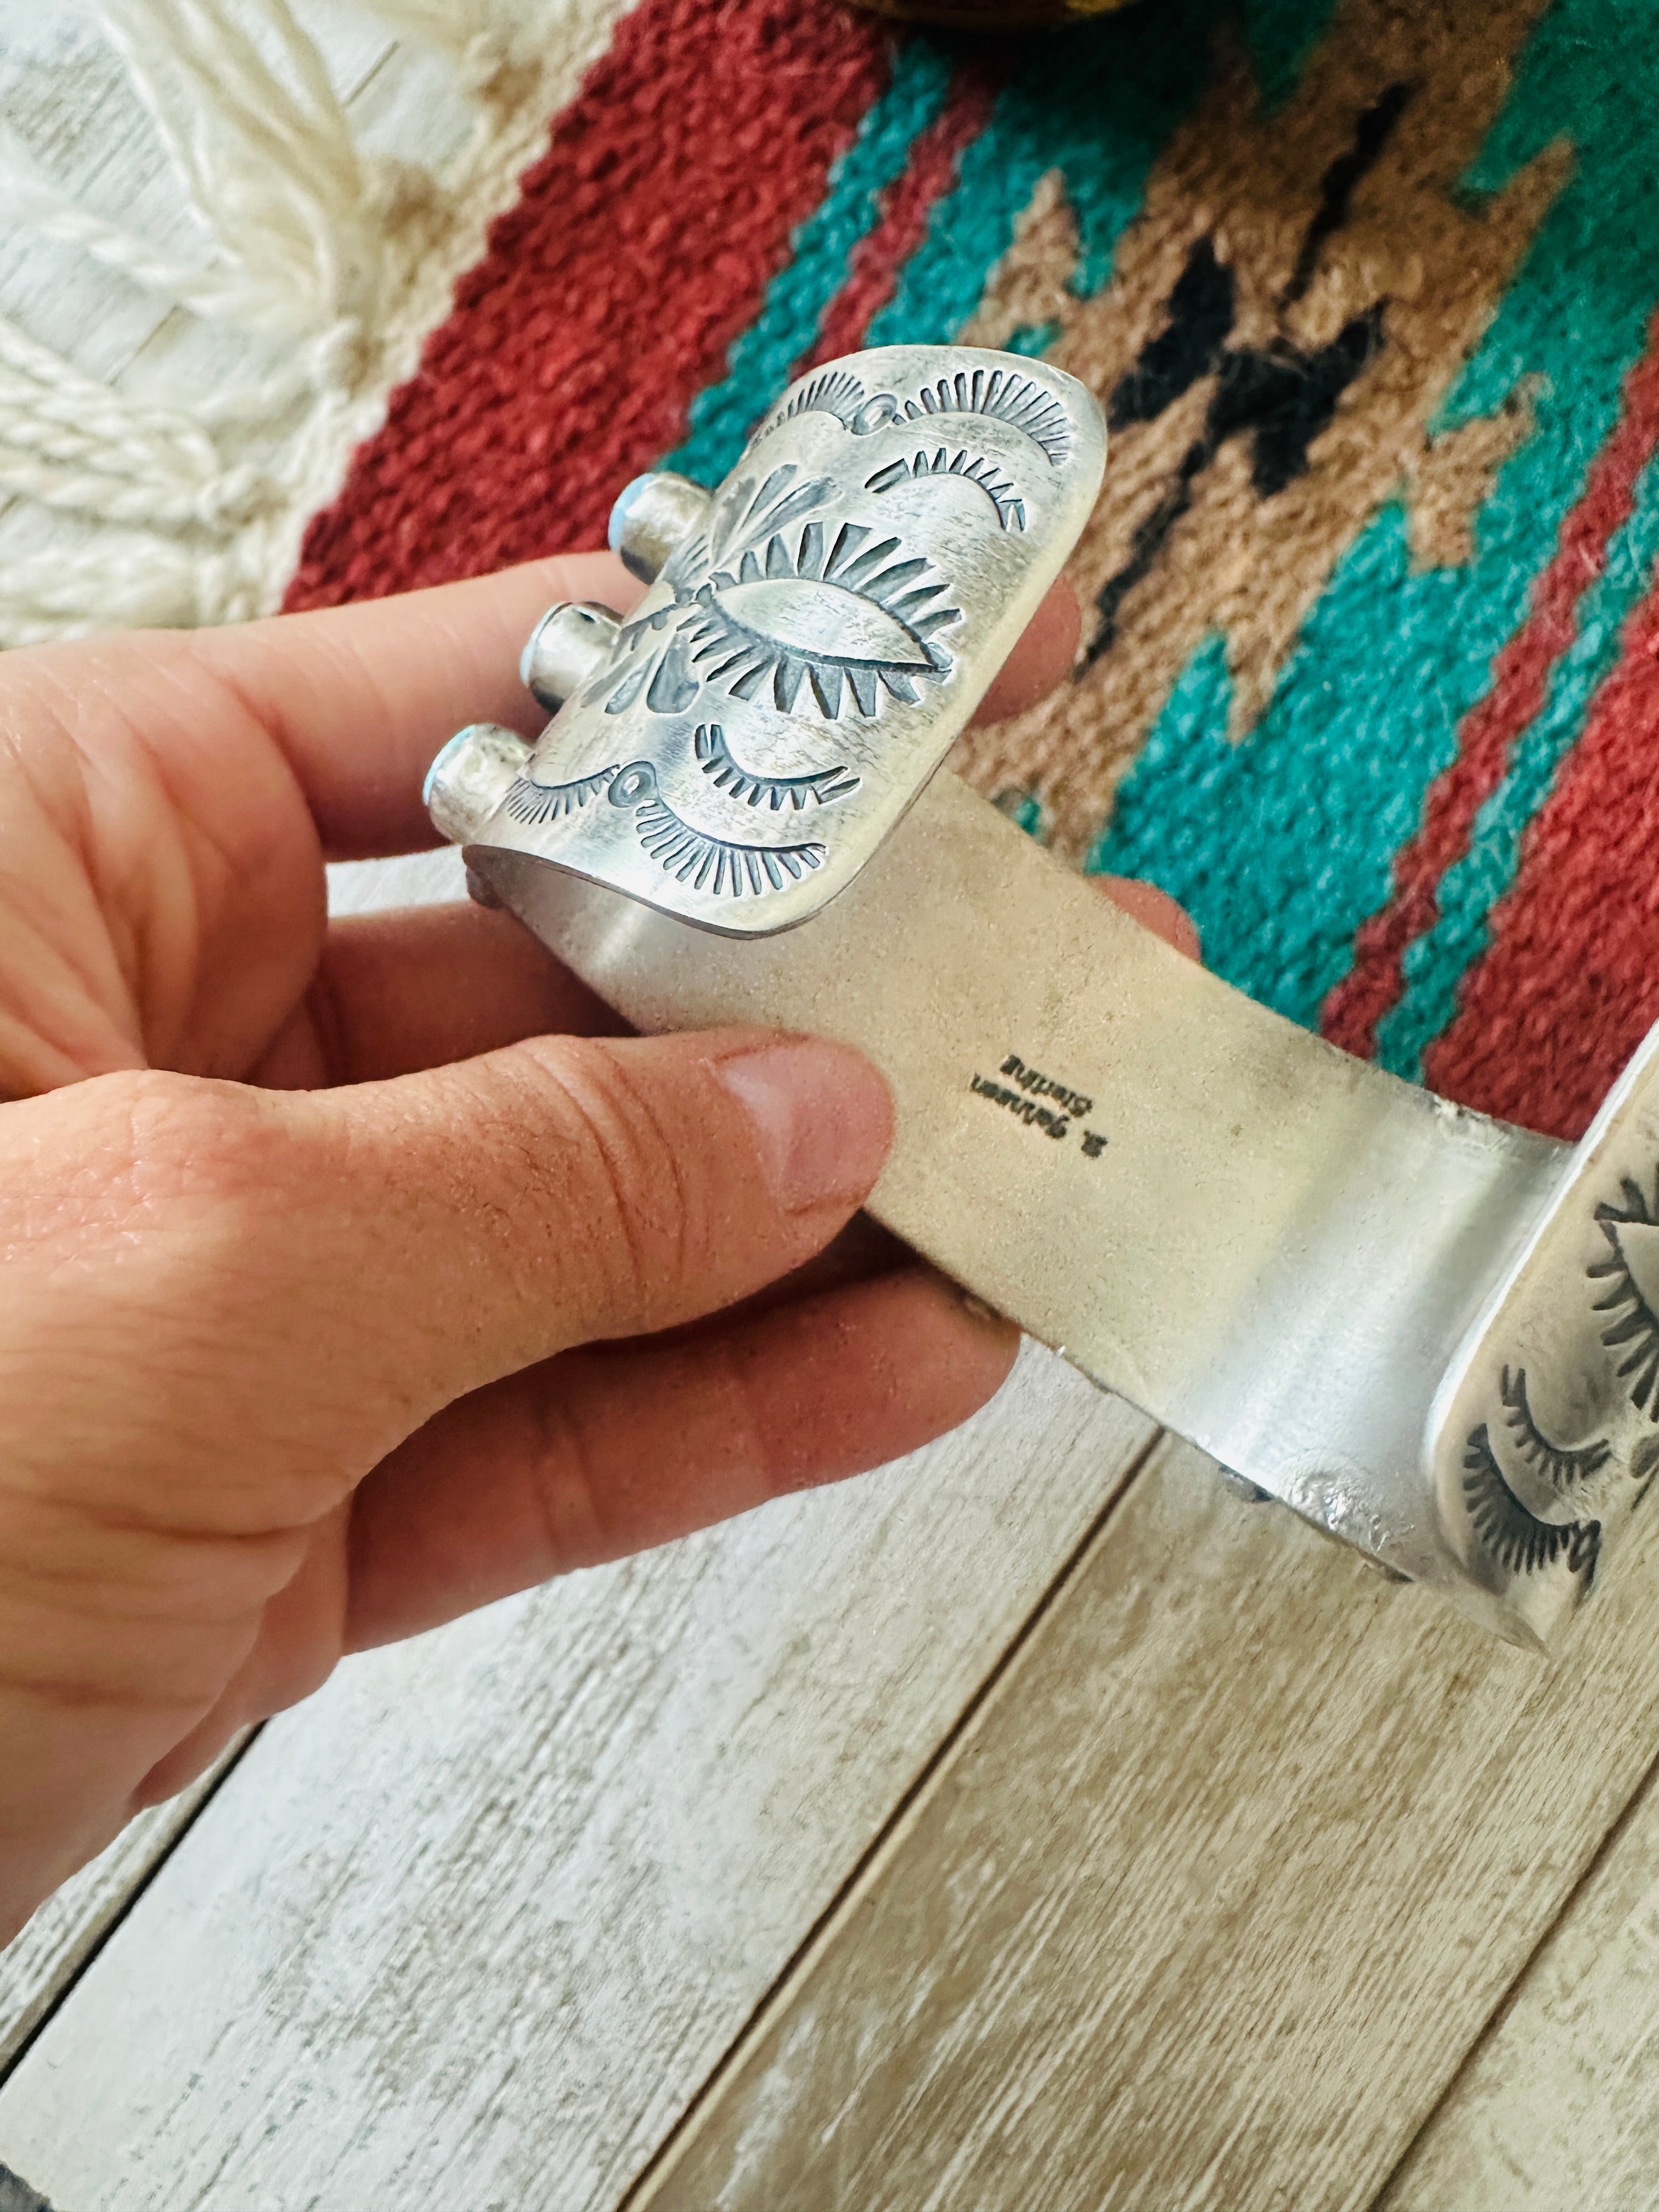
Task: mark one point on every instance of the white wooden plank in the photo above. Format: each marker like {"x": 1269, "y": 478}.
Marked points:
{"x": 41, "y": 1961}
{"x": 416, "y": 880}
{"x": 1557, "y": 2105}
{"x": 1205, "y": 1906}
{"x": 473, "y": 1926}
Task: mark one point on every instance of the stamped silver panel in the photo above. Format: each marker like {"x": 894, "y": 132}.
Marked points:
{"x": 805, "y": 658}
{"x": 1545, "y": 1437}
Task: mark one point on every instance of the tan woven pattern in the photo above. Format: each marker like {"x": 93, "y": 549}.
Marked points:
{"x": 1246, "y": 191}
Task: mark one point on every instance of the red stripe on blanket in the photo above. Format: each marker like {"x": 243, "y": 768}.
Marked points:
{"x": 902, "y": 224}
{"x": 1520, "y": 676}
{"x": 642, "y": 244}
{"x": 1570, "y": 985}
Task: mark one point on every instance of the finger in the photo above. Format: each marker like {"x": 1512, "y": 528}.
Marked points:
{"x": 1155, "y": 910}
{"x": 360, "y": 698}
{"x": 861, "y": 1252}
{"x": 417, "y": 987}
{"x": 1042, "y": 658}
{"x": 603, "y": 1453}
{"x": 454, "y": 1225}
{"x": 372, "y": 1252}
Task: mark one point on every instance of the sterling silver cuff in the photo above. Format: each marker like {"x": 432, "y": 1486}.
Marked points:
{"x": 1433, "y": 1335}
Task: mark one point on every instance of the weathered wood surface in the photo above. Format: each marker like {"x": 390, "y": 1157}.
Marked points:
{"x": 1558, "y": 2105}
{"x": 40, "y": 1963}
{"x": 1205, "y": 1906}
{"x": 417, "y": 880}
{"x": 474, "y": 1925}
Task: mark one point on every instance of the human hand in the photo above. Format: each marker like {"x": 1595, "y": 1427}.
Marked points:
{"x": 359, "y": 1274}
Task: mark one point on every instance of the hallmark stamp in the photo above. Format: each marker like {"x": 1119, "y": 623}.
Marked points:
{"x": 1025, "y": 1102}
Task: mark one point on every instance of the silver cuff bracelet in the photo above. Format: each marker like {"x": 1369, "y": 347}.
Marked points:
{"x": 1433, "y": 1335}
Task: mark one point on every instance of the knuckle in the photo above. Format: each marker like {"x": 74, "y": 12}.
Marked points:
{"x": 151, "y": 1318}
{"x": 634, "y": 1220}
{"x": 147, "y": 1155}
{"x": 186, "y": 1138}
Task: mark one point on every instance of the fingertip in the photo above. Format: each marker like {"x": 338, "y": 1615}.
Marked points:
{"x": 983, "y": 1345}
{"x": 358, "y": 698}
{"x": 1042, "y": 658}
{"x": 1156, "y": 910}
{"x": 822, "y": 1116}
{"x": 958, "y": 1350}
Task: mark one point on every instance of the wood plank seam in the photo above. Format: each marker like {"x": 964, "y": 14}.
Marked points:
{"x": 1500, "y": 2012}
{"x": 85, "y": 1959}
{"x": 823, "y": 1929}
{"x": 481, "y": 1918}
{"x": 1212, "y": 1900}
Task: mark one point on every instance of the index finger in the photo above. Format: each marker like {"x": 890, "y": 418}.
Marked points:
{"x": 360, "y": 698}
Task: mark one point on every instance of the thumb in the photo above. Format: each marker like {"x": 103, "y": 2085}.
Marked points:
{"x": 497, "y": 1210}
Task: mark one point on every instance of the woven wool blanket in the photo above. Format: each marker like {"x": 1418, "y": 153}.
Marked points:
{"x": 1370, "y": 674}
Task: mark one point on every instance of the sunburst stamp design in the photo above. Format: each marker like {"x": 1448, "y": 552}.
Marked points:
{"x": 969, "y": 468}
{"x": 822, "y": 788}
{"x": 1564, "y": 1468}
{"x": 845, "y": 615}
{"x": 697, "y": 858}
{"x": 832, "y": 391}
{"x": 815, "y": 632}
{"x": 771, "y": 605}
{"x": 1632, "y": 1331}
{"x": 1001, "y": 397}
{"x": 1545, "y": 1438}
{"x": 1515, "y": 1538}
{"x": 529, "y": 801}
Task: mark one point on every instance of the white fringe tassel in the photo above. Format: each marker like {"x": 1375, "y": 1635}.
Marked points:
{"x": 334, "y": 263}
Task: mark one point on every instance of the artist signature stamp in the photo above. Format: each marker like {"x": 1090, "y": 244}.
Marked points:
{"x": 1041, "y": 1102}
